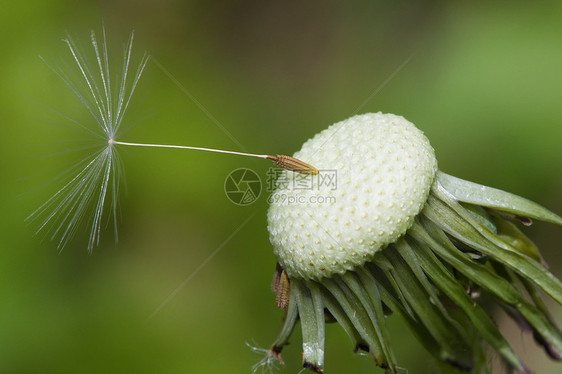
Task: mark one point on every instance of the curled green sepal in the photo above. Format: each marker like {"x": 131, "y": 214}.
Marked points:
{"x": 481, "y": 274}
{"x": 442, "y": 278}
{"x": 311, "y": 312}
{"x": 370, "y": 300}
{"x": 289, "y": 321}
{"x": 454, "y": 219}
{"x": 456, "y": 349}
{"x": 358, "y": 315}
{"x": 478, "y": 194}
{"x": 510, "y": 234}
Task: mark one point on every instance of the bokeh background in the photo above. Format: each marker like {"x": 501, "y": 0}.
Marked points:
{"x": 483, "y": 80}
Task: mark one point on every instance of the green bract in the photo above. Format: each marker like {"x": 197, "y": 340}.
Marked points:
{"x": 395, "y": 235}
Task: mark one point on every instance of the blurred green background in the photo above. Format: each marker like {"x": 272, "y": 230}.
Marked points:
{"x": 483, "y": 80}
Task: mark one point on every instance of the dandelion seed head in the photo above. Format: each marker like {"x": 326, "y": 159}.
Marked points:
{"x": 421, "y": 226}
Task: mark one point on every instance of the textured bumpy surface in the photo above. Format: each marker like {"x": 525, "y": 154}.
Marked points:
{"x": 376, "y": 171}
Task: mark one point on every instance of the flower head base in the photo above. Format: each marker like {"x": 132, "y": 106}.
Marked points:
{"x": 385, "y": 167}
{"x": 404, "y": 238}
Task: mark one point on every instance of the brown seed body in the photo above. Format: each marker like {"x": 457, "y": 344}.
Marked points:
{"x": 293, "y": 164}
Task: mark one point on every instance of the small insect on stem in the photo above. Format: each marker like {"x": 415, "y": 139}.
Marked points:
{"x": 281, "y": 287}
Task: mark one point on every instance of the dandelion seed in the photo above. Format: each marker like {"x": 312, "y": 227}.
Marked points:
{"x": 96, "y": 178}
